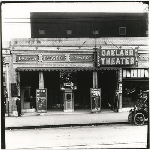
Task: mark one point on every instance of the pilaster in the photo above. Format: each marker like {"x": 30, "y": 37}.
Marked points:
{"x": 120, "y": 89}
{"x": 95, "y": 79}
{"x": 41, "y": 80}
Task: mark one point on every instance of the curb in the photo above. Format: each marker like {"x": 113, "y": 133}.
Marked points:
{"x": 64, "y": 125}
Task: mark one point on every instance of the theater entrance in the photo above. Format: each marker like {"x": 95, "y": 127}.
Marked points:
{"x": 76, "y": 96}
{"x": 68, "y": 91}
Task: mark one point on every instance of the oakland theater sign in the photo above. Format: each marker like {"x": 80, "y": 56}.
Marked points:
{"x": 118, "y": 57}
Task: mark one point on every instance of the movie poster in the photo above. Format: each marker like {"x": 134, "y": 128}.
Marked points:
{"x": 95, "y": 99}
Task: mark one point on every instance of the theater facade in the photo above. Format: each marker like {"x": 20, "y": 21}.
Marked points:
{"x": 61, "y": 70}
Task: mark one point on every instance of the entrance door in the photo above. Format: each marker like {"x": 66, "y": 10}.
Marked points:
{"x": 25, "y": 98}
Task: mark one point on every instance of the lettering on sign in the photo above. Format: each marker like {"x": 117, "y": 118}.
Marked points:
{"x": 54, "y": 58}
{"x": 116, "y": 57}
{"x": 81, "y": 57}
{"x": 70, "y": 64}
{"x": 23, "y": 58}
{"x": 118, "y": 52}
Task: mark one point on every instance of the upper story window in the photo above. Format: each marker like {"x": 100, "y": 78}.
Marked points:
{"x": 122, "y": 30}
{"x": 3, "y": 77}
{"x": 69, "y": 31}
{"x": 41, "y": 31}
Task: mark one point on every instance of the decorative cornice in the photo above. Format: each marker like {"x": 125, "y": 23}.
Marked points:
{"x": 79, "y": 42}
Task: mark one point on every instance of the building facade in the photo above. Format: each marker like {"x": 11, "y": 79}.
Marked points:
{"x": 68, "y": 54}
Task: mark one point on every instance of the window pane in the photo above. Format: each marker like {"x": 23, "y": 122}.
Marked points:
{"x": 132, "y": 73}
{"x": 41, "y": 31}
{"x": 128, "y": 73}
{"x": 146, "y": 73}
{"x": 124, "y": 73}
{"x": 142, "y": 72}
{"x": 139, "y": 72}
{"x": 135, "y": 72}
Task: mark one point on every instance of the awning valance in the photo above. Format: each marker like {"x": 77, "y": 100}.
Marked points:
{"x": 64, "y": 69}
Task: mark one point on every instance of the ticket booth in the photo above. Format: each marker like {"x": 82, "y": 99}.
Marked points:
{"x": 68, "y": 84}
{"x": 68, "y": 101}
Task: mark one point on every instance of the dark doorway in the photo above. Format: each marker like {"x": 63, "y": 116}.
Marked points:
{"x": 82, "y": 94}
{"x": 54, "y": 94}
{"x": 107, "y": 81}
{"x": 29, "y": 81}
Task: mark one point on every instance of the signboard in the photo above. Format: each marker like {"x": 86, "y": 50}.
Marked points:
{"x": 27, "y": 58}
{"x": 41, "y": 100}
{"x": 54, "y": 57}
{"x": 118, "y": 57}
{"x": 81, "y": 57}
{"x": 95, "y": 99}
{"x": 68, "y": 80}
{"x": 64, "y": 58}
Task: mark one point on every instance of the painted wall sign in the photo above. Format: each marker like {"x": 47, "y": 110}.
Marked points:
{"x": 25, "y": 58}
{"x": 119, "y": 57}
{"x": 82, "y": 57}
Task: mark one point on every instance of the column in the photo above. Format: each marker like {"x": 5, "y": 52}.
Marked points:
{"x": 41, "y": 80}
{"x": 95, "y": 79}
{"x": 120, "y": 89}
{"x": 8, "y": 89}
{"x": 18, "y": 83}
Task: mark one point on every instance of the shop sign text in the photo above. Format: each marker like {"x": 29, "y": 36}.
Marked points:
{"x": 54, "y": 58}
{"x": 81, "y": 57}
{"x": 27, "y": 58}
{"x": 116, "y": 57}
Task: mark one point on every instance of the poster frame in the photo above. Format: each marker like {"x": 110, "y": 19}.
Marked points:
{"x": 99, "y": 99}
{"x": 41, "y": 111}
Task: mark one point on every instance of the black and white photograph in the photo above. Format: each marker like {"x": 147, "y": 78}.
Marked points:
{"x": 75, "y": 75}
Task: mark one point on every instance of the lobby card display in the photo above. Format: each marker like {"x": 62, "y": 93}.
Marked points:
{"x": 95, "y": 99}
{"x": 41, "y": 100}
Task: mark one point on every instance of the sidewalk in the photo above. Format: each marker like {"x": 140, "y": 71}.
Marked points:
{"x": 62, "y": 119}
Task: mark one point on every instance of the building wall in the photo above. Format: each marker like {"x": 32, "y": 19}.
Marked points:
{"x": 55, "y": 25}
{"x": 55, "y": 40}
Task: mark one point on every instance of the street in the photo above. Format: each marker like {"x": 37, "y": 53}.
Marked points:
{"x": 103, "y": 136}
